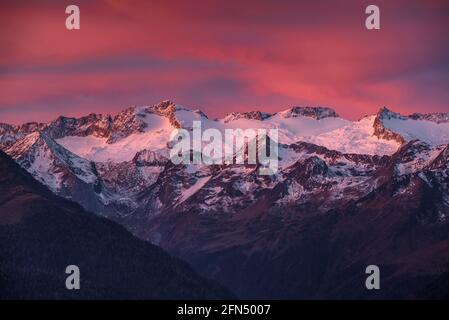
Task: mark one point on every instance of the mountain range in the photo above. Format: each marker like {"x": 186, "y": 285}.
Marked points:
{"x": 348, "y": 194}
{"x": 41, "y": 234}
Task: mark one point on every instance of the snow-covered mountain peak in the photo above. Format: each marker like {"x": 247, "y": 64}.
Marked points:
{"x": 120, "y": 166}
{"x": 441, "y": 117}
{"x": 23, "y": 145}
{"x": 442, "y": 160}
{"x": 312, "y": 112}
{"x": 429, "y": 128}
{"x": 125, "y": 123}
{"x": 381, "y": 131}
{"x": 9, "y": 134}
{"x": 411, "y": 157}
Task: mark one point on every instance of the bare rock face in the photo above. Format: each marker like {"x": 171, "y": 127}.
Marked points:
{"x": 384, "y": 114}
{"x": 93, "y": 124}
{"x": 251, "y": 115}
{"x": 167, "y": 109}
{"x": 316, "y": 226}
{"x": 384, "y": 133}
{"x": 312, "y": 112}
{"x": 9, "y": 134}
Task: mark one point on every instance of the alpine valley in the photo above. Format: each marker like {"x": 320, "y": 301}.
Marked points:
{"x": 348, "y": 194}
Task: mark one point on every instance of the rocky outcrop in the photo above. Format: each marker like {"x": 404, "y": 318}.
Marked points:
{"x": 442, "y": 117}
{"x": 381, "y": 131}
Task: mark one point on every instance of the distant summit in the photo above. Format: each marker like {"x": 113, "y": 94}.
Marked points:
{"x": 312, "y": 112}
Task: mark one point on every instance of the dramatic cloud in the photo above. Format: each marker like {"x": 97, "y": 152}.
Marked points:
{"x": 222, "y": 56}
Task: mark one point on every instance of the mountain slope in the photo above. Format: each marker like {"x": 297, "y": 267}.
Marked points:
{"x": 41, "y": 234}
{"x": 343, "y": 190}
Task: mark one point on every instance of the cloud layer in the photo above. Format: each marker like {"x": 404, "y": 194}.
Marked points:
{"x": 222, "y": 56}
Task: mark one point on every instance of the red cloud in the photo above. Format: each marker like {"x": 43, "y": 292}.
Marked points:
{"x": 222, "y": 56}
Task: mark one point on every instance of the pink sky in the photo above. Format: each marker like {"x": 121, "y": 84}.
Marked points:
{"x": 222, "y": 56}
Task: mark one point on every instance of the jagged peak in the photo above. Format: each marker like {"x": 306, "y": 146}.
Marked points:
{"x": 62, "y": 118}
{"x": 5, "y": 126}
{"x": 165, "y": 105}
{"x": 442, "y": 160}
{"x": 27, "y": 126}
{"x": 380, "y": 131}
{"x": 22, "y": 146}
{"x": 437, "y": 117}
{"x": 414, "y": 156}
{"x": 149, "y": 157}
{"x": 39, "y": 139}
{"x": 169, "y": 109}
{"x": 36, "y": 137}
{"x": 9, "y": 134}
{"x": 312, "y": 112}
{"x": 385, "y": 113}
{"x": 31, "y": 138}
{"x": 251, "y": 115}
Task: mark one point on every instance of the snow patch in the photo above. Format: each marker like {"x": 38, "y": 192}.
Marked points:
{"x": 187, "y": 193}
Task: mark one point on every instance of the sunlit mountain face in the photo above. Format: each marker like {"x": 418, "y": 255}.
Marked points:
{"x": 41, "y": 234}
{"x": 222, "y": 57}
{"x": 358, "y": 120}
{"x": 347, "y": 193}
